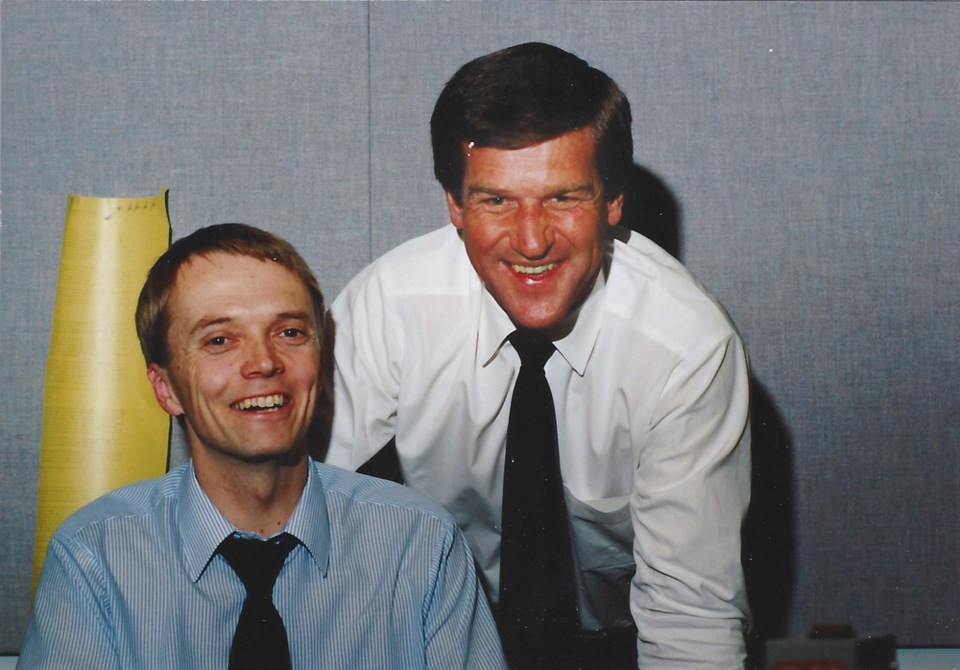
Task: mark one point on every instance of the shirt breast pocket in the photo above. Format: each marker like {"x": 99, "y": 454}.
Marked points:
{"x": 602, "y": 536}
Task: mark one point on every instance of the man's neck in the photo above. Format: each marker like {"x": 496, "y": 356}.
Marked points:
{"x": 254, "y": 497}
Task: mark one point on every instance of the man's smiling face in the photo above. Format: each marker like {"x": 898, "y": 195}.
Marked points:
{"x": 244, "y": 366}
{"x": 532, "y": 222}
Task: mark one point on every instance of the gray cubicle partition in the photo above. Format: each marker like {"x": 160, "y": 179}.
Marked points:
{"x": 803, "y": 158}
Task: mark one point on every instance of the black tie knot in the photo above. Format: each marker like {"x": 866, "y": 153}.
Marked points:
{"x": 533, "y": 346}
{"x": 257, "y": 563}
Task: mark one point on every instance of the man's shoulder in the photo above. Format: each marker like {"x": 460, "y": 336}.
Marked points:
{"x": 652, "y": 289}
{"x": 439, "y": 241}
{"x": 365, "y": 495}
{"x": 128, "y": 504}
{"x": 641, "y": 257}
{"x": 430, "y": 262}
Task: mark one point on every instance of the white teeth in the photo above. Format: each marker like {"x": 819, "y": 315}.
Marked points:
{"x": 263, "y": 402}
{"x": 538, "y": 270}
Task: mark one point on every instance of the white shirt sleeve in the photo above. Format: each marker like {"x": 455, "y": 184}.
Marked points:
{"x": 691, "y": 491}
{"x": 366, "y": 386}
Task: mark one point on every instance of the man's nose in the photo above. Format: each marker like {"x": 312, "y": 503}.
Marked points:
{"x": 534, "y": 233}
{"x": 261, "y": 358}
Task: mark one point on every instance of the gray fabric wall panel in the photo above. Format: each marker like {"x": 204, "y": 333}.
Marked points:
{"x": 804, "y": 161}
{"x": 247, "y": 112}
{"x": 812, "y": 150}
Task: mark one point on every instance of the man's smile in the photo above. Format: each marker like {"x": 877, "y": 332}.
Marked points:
{"x": 532, "y": 271}
{"x": 264, "y": 403}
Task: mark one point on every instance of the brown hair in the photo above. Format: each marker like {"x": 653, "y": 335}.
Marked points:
{"x": 524, "y": 95}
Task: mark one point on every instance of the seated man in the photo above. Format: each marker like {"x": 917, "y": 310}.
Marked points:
{"x": 181, "y": 571}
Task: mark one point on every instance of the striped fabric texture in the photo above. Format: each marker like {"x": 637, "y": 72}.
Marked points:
{"x": 381, "y": 579}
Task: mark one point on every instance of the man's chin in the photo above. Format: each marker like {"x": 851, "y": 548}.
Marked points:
{"x": 557, "y": 321}
{"x": 282, "y": 455}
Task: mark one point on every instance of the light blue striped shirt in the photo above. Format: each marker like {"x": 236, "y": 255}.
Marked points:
{"x": 382, "y": 579}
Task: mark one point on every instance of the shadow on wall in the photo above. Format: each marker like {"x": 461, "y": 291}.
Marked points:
{"x": 650, "y": 209}
{"x": 769, "y": 542}
{"x": 768, "y": 535}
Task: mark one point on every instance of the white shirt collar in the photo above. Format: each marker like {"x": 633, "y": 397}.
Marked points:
{"x": 575, "y": 347}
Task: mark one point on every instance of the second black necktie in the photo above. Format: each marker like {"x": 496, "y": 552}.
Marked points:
{"x": 260, "y": 641}
{"x": 537, "y": 611}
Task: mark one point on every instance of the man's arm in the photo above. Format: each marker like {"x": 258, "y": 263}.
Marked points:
{"x": 459, "y": 631}
{"x": 69, "y": 627}
{"x": 692, "y": 488}
{"x": 384, "y": 464}
{"x": 365, "y": 383}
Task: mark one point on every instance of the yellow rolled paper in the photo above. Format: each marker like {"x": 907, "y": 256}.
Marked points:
{"x": 102, "y": 427}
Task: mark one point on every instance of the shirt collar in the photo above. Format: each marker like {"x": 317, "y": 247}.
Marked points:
{"x": 495, "y": 327}
{"x": 310, "y": 522}
{"x": 575, "y": 347}
{"x": 202, "y": 527}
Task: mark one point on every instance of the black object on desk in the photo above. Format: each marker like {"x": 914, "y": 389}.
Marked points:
{"x": 833, "y": 647}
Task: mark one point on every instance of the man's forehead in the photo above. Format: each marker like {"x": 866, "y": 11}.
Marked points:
{"x": 587, "y": 133}
{"x": 564, "y": 163}
{"x": 202, "y": 267}
{"x": 221, "y": 287}
{"x": 212, "y": 259}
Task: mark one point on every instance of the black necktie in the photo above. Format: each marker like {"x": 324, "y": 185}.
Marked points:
{"x": 260, "y": 641}
{"x": 538, "y": 609}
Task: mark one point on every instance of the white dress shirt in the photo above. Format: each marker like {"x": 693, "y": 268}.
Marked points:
{"x": 651, "y": 390}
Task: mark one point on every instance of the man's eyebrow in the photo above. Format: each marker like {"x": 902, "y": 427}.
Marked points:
{"x": 298, "y": 316}
{"x": 483, "y": 189}
{"x": 207, "y": 322}
{"x": 588, "y": 187}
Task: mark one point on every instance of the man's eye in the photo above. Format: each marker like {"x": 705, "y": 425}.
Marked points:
{"x": 295, "y": 335}
{"x": 492, "y": 200}
{"x": 217, "y": 343}
{"x": 565, "y": 201}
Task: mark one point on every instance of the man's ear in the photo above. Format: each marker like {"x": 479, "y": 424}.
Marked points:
{"x": 455, "y": 209}
{"x": 615, "y": 210}
{"x": 163, "y": 390}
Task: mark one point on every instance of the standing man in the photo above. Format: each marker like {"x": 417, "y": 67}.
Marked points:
{"x": 602, "y": 491}
{"x": 251, "y": 553}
